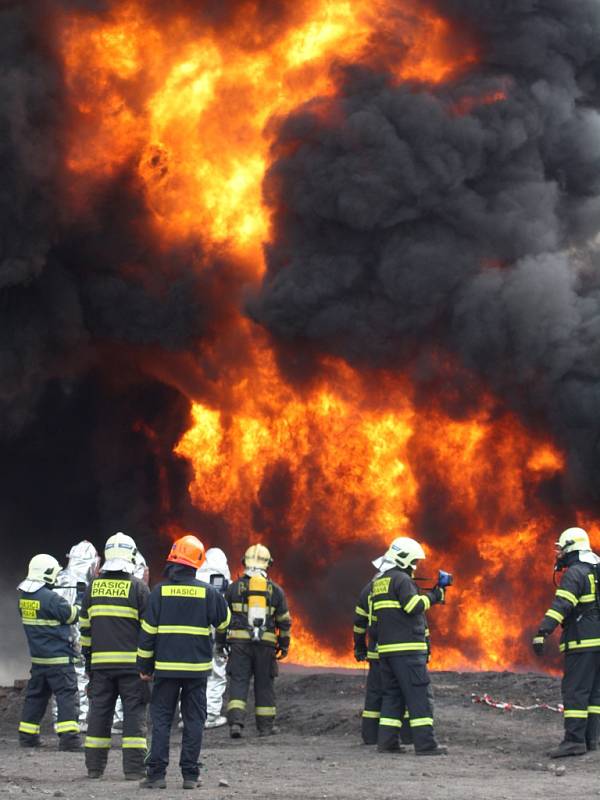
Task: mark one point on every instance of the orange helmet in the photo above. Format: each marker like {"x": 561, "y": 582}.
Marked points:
{"x": 188, "y": 550}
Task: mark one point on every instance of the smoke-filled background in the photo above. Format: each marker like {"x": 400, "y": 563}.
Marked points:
{"x": 430, "y": 251}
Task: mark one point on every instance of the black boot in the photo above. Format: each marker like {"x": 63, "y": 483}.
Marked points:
{"x": 235, "y": 731}
{"x": 438, "y": 750}
{"x": 568, "y": 749}
{"x": 157, "y": 782}
{"x": 70, "y": 743}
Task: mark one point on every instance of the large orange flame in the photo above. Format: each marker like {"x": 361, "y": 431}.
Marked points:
{"x": 189, "y": 107}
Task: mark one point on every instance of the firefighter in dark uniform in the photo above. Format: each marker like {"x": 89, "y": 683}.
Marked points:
{"x": 365, "y": 649}
{"x": 576, "y": 606}
{"x": 402, "y": 648}
{"x": 47, "y": 620}
{"x": 111, "y": 614}
{"x": 259, "y": 635}
{"x": 175, "y": 647}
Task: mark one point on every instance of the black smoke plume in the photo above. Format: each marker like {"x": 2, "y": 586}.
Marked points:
{"x": 456, "y": 223}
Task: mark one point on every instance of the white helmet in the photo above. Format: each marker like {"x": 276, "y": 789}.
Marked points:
{"x": 404, "y": 552}
{"x": 83, "y": 561}
{"x": 43, "y": 568}
{"x": 257, "y": 556}
{"x": 572, "y": 540}
{"x": 120, "y": 546}
{"x": 215, "y": 563}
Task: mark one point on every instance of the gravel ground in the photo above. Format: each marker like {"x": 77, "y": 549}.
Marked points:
{"x": 318, "y": 754}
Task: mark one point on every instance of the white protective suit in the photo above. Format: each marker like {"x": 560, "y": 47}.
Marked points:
{"x": 215, "y": 570}
{"x": 82, "y": 566}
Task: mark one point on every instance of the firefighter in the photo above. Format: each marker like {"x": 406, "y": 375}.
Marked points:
{"x": 258, "y": 636}
{"x": 83, "y": 562}
{"x": 111, "y": 612}
{"x": 175, "y": 648}
{"x": 215, "y": 571}
{"x": 142, "y": 572}
{"x": 402, "y": 648}
{"x": 47, "y": 619}
{"x": 365, "y": 649}
{"x": 576, "y": 606}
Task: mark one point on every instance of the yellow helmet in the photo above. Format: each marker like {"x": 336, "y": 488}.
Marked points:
{"x": 43, "y": 568}
{"x": 404, "y": 552}
{"x": 573, "y": 539}
{"x": 257, "y": 556}
{"x": 119, "y": 545}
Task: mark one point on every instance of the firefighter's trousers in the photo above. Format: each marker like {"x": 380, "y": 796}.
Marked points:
{"x": 215, "y": 689}
{"x": 580, "y": 693}
{"x": 249, "y": 659}
{"x": 82, "y": 683}
{"x": 372, "y": 710}
{"x": 406, "y": 686}
{"x": 44, "y": 682}
{"x": 104, "y": 688}
{"x": 165, "y": 694}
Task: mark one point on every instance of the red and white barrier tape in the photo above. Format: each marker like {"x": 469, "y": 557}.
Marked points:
{"x": 488, "y": 701}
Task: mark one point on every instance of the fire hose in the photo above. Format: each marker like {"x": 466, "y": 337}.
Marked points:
{"x": 485, "y": 699}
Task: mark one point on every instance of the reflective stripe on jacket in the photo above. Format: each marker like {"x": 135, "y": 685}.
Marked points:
{"x": 575, "y": 607}
{"x": 47, "y": 620}
{"x": 365, "y": 624}
{"x": 111, "y": 612}
{"x": 175, "y": 639}
{"x": 278, "y": 623}
{"x": 400, "y": 609}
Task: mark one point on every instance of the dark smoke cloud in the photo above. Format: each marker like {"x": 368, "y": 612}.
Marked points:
{"x": 412, "y": 220}
{"x": 87, "y": 303}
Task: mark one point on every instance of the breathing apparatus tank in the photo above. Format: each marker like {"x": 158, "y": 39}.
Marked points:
{"x": 257, "y": 605}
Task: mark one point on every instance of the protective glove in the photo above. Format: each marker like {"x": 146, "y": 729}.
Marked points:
{"x": 538, "y": 643}
{"x": 281, "y": 653}
{"x": 81, "y": 587}
{"x": 221, "y": 650}
{"x": 439, "y": 595}
{"x": 360, "y": 654}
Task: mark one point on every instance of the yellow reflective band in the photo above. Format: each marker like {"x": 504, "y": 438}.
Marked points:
{"x": 66, "y": 727}
{"x": 149, "y": 628}
{"x": 114, "y": 611}
{"x": 225, "y": 624}
{"x": 420, "y": 722}
{"x": 356, "y": 629}
{"x": 390, "y": 722}
{"x": 86, "y": 641}
{"x": 372, "y": 655}
{"x": 538, "y": 639}
{"x": 183, "y": 591}
{"x": 379, "y": 604}
{"x": 371, "y": 714}
{"x": 283, "y": 617}
{"x": 567, "y": 596}
{"x": 29, "y": 727}
{"x": 402, "y": 647}
{"x": 238, "y": 634}
{"x": 265, "y": 711}
{"x": 98, "y": 742}
{"x": 269, "y": 637}
{"x": 72, "y": 615}
{"x": 239, "y": 607}
{"x": 53, "y": 623}
{"x": 182, "y": 666}
{"x": 233, "y": 704}
{"x": 84, "y": 622}
{"x": 189, "y": 630}
{"x": 361, "y": 613}
{"x": 145, "y": 653}
{"x": 414, "y": 601}
{"x": 575, "y": 714}
{"x": 406, "y": 714}
{"x": 587, "y": 598}
{"x": 137, "y": 742}
{"x": 49, "y": 661}
{"x": 593, "y": 709}
{"x": 115, "y": 657}
{"x": 579, "y": 645}
{"x": 555, "y": 615}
